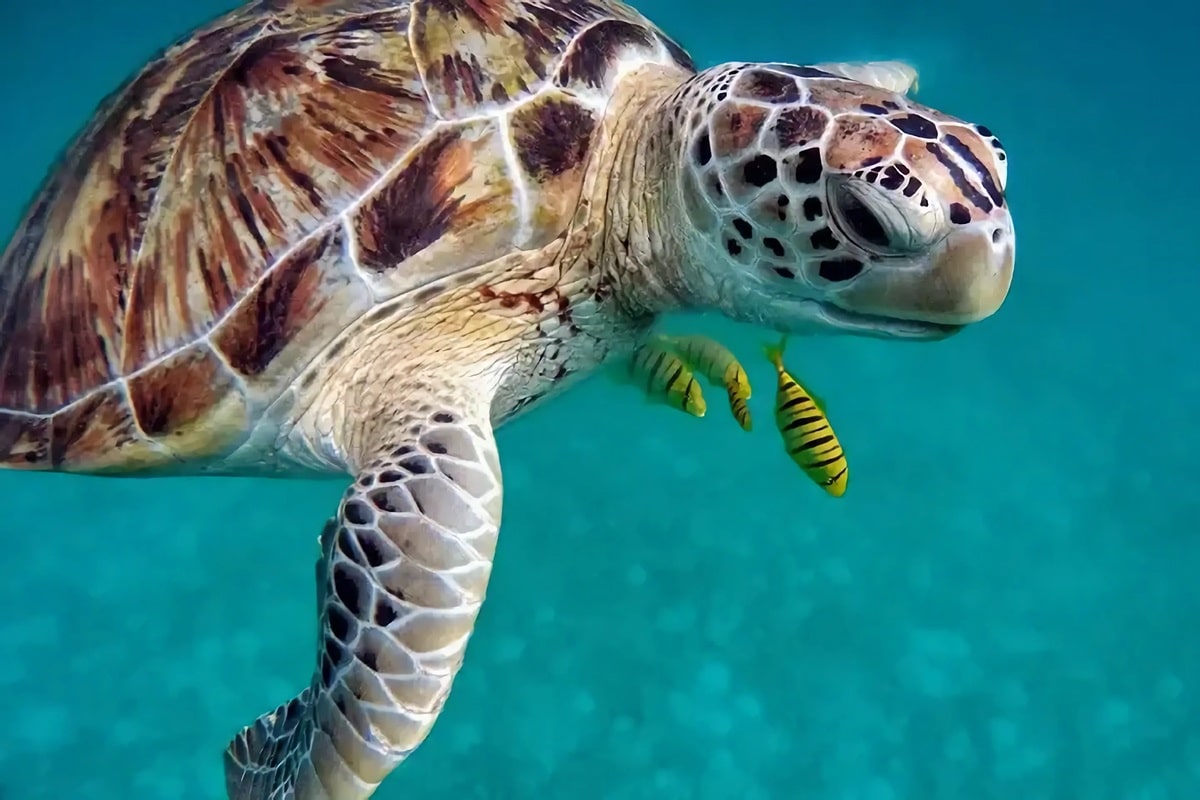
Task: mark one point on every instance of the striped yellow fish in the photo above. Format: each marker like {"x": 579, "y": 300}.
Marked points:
{"x": 807, "y": 435}
{"x": 719, "y": 366}
{"x": 665, "y": 378}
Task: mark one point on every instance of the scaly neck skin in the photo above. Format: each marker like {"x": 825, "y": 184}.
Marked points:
{"x": 644, "y": 248}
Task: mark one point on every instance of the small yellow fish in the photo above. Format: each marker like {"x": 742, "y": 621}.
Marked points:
{"x": 721, "y": 367}
{"x": 807, "y": 435}
{"x": 664, "y": 377}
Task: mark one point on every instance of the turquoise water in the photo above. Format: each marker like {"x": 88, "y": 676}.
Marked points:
{"x": 1003, "y": 606}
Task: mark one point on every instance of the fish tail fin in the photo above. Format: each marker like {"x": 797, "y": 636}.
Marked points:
{"x": 774, "y": 352}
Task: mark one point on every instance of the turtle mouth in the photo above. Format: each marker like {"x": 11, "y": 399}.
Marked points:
{"x": 884, "y": 327}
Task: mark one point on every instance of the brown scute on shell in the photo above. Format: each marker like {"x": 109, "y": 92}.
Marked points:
{"x": 57, "y": 333}
{"x": 190, "y": 403}
{"x": 857, "y": 140}
{"x": 417, "y": 205}
{"x": 24, "y": 441}
{"x": 479, "y": 55}
{"x": 313, "y": 293}
{"x": 66, "y": 273}
{"x": 735, "y": 126}
{"x": 190, "y": 182}
{"x": 552, "y": 135}
{"x": 799, "y": 125}
{"x": 291, "y": 135}
{"x": 590, "y": 59}
{"x": 98, "y": 434}
{"x": 448, "y": 208}
{"x": 95, "y": 435}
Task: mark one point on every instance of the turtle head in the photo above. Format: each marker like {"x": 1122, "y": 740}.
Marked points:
{"x": 815, "y": 202}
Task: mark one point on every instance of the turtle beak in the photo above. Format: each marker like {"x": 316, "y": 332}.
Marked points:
{"x": 962, "y": 280}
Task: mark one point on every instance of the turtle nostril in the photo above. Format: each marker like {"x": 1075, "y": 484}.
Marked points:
{"x": 997, "y": 235}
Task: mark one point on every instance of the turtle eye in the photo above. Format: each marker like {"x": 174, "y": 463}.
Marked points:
{"x": 862, "y": 223}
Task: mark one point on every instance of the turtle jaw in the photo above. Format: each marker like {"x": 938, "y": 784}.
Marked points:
{"x": 878, "y": 326}
{"x": 810, "y": 316}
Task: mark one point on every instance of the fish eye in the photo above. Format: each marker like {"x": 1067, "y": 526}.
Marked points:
{"x": 862, "y": 222}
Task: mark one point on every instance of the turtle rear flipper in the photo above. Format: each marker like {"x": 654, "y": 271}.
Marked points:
{"x": 400, "y": 581}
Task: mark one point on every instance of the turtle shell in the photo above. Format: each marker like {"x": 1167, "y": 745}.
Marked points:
{"x": 268, "y": 180}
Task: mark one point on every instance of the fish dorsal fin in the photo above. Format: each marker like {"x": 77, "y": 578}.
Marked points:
{"x": 891, "y": 76}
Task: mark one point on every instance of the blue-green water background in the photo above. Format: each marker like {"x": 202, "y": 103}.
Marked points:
{"x": 1004, "y": 605}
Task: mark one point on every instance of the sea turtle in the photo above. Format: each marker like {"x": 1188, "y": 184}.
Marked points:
{"x": 356, "y": 236}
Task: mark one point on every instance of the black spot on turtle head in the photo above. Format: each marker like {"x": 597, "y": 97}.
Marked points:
{"x": 743, "y": 228}
{"x": 808, "y": 167}
{"x": 983, "y": 130}
{"x": 775, "y": 246}
{"x": 871, "y": 108}
{"x": 838, "y": 270}
{"x": 812, "y": 208}
{"x": 915, "y": 125}
{"x": 760, "y": 170}
{"x": 824, "y": 239}
{"x": 959, "y": 214}
{"x": 733, "y": 246}
{"x": 784, "y": 272}
{"x": 892, "y": 178}
{"x": 702, "y": 149}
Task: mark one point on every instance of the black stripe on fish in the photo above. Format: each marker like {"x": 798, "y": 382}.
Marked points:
{"x": 795, "y": 401}
{"x": 814, "y": 443}
{"x": 826, "y": 462}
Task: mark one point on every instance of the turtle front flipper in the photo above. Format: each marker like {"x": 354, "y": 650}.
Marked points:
{"x": 401, "y": 578}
